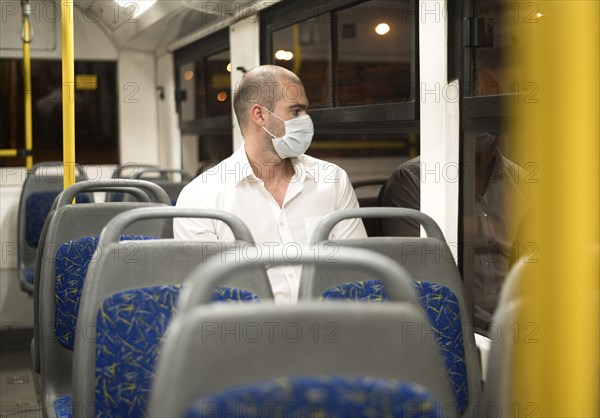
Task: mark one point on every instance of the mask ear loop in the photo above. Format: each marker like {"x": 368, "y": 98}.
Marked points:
{"x": 272, "y": 113}
{"x": 265, "y": 129}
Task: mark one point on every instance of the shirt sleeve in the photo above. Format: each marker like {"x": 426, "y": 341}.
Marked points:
{"x": 346, "y": 199}
{"x": 403, "y": 190}
{"x": 193, "y": 228}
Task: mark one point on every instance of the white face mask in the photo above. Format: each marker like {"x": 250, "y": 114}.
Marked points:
{"x": 297, "y": 138}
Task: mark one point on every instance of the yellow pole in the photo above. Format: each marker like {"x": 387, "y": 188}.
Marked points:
{"x": 27, "y": 83}
{"x": 557, "y": 369}
{"x": 297, "y": 49}
{"x": 68, "y": 92}
{"x": 8, "y": 153}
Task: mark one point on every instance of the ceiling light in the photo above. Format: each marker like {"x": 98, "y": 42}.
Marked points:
{"x": 284, "y": 55}
{"x": 136, "y": 6}
{"x": 382, "y": 29}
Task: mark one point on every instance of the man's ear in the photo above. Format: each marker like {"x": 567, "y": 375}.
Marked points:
{"x": 257, "y": 114}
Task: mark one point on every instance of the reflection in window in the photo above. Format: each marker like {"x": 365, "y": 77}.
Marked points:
{"x": 374, "y": 53}
{"x": 205, "y": 87}
{"x": 369, "y": 61}
{"x": 187, "y": 92}
{"x": 496, "y": 23}
{"x": 218, "y": 100}
{"x": 492, "y": 237}
{"x": 365, "y": 145}
{"x": 204, "y": 101}
{"x": 305, "y": 49}
{"x": 96, "y": 133}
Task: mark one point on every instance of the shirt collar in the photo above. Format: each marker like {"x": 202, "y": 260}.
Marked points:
{"x": 239, "y": 163}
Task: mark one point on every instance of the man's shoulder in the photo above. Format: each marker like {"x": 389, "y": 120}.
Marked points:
{"x": 410, "y": 169}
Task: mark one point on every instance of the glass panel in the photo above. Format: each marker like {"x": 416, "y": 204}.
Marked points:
{"x": 496, "y": 70}
{"x": 305, "y": 49}
{"x": 364, "y": 145}
{"x": 218, "y": 79}
{"x": 375, "y": 49}
{"x": 188, "y": 75}
{"x": 96, "y": 132}
{"x": 205, "y": 87}
{"x": 495, "y": 218}
{"x": 214, "y": 148}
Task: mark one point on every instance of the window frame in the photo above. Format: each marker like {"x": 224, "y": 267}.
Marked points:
{"x": 49, "y": 148}
{"x": 202, "y": 49}
{"x": 373, "y": 118}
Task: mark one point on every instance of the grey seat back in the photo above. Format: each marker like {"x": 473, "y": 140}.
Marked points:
{"x": 165, "y": 179}
{"x": 134, "y": 191}
{"x": 515, "y": 334}
{"x": 149, "y": 263}
{"x": 201, "y": 355}
{"x": 69, "y": 222}
{"x": 124, "y": 171}
{"x": 427, "y": 259}
{"x": 43, "y": 181}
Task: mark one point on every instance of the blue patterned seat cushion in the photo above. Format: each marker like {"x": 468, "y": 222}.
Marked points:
{"x": 72, "y": 262}
{"x": 62, "y": 407}
{"x": 37, "y": 207}
{"x": 28, "y": 275}
{"x": 442, "y": 310}
{"x": 130, "y": 327}
{"x": 116, "y": 197}
{"x": 335, "y": 397}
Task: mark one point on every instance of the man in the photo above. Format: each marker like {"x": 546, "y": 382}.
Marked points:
{"x": 500, "y": 201}
{"x": 277, "y": 190}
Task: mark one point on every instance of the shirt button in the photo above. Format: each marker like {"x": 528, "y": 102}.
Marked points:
{"x": 282, "y": 223}
{"x": 485, "y": 214}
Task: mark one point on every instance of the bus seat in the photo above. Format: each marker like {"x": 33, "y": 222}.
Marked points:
{"x": 43, "y": 183}
{"x": 200, "y": 357}
{"x": 166, "y": 180}
{"x": 130, "y": 327}
{"x": 79, "y": 224}
{"x": 503, "y": 391}
{"x": 125, "y": 171}
{"x": 369, "y": 194}
{"x": 428, "y": 260}
{"x": 153, "y": 263}
{"x": 441, "y": 307}
{"x": 65, "y": 223}
{"x": 329, "y": 396}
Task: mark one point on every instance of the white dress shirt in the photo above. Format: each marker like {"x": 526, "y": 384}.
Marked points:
{"x": 316, "y": 189}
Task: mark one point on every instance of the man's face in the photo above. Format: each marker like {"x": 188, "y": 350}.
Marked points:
{"x": 293, "y": 103}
